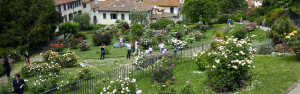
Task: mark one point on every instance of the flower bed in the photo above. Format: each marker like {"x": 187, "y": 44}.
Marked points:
{"x": 57, "y": 47}
{"x": 294, "y": 42}
{"x": 83, "y": 46}
{"x": 40, "y": 69}
{"x": 74, "y": 43}
{"x": 69, "y": 59}
{"x": 177, "y": 44}
{"x": 125, "y": 86}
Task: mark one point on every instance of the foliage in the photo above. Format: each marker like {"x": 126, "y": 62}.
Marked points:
{"x": 67, "y": 28}
{"x": 203, "y": 28}
{"x": 177, "y": 44}
{"x": 273, "y": 15}
{"x": 74, "y": 43}
{"x": 139, "y": 17}
{"x": 250, "y": 26}
{"x": 146, "y": 42}
{"x": 232, "y": 6}
{"x": 214, "y": 45}
{"x": 45, "y": 82}
{"x": 100, "y": 38}
{"x": 230, "y": 65}
{"x": 26, "y": 23}
{"x": 294, "y": 42}
{"x": 257, "y": 12}
{"x": 219, "y": 34}
{"x": 35, "y": 70}
{"x": 240, "y": 34}
{"x": 50, "y": 56}
{"x": 84, "y": 46}
{"x": 83, "y": 20}
{"x": 239, "y": 16}
{"x": 150, "y": 33}
{"x": 154, "y": 26}
{"x": 206, "y": 10}
{"x": 224, "y": 18}
{"x": 78, "y": 35}
{"x": 161, "y": 23}
{"x": 5, "y": 87}
{"x": 2, "y": 69}
{"x": 126, "y": 86}
{"x": 188, "y": 89}
{"x": 281, "y": 27}
{"x": 137, "y": 30}
{"x": 165, "y": 88}
{"x": 259, "y": 20}
{"x": 163, "y": 37}
{"x": 264, "y": 47}
{"x": 201, "y": 58}
{"x": 190, "y": 38}
{"x": 84, "y": 72}
{"x": 57, "y": 47}
{"x": 162, "y": 74}
{"x": 68, "y": 60}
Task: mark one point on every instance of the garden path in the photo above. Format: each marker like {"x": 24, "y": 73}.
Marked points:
{"x": 295, "y": 89}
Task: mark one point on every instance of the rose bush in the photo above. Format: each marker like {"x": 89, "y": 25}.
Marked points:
{"x": 83, "y": 46}
{"x": 84, "y": 72}
{"x": 294, "y": 42}
{"x": 230, "y": 64}
{"x": 40, "y": 69}
{"x": 178, "y": 44}
{"x": 191, "y": 38}
{"x": 74, "y": 43}
{"x": 163, "y": 71}
{"x": 125, "y": 86}
{"x": 69, "y": 59}
{"x": 57, "y": 47}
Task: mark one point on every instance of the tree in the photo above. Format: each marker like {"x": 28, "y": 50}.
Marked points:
{"x": 232, "y": 6}
{"x": 27, "y": 23}
{"x": 200, "y": 10}
{"x": 137, "y": 30}
{"x": 139, "y": 17}
{"x": 67, "y": 28}
{"x": 83, "y": 20}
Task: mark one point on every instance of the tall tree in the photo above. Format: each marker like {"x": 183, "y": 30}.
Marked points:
{"x": 200, "y": 10}
{"x": 139, "y": 17}
{"x": 27, "y": 23}
{"x": 232, "y": 6}
{"x": 83, "y": 20}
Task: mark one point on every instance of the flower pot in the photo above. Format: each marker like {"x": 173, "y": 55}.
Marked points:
{"x": 218, "y": 38}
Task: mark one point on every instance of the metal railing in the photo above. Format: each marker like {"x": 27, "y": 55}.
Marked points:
{"x": 137, "y": 70}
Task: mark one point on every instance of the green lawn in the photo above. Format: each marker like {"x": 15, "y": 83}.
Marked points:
{"x": 272, "y": 75}
{"x": 236, "y": 28}
{"x": 261, "y": 35}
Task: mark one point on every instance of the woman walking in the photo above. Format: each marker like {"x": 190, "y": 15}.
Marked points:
{"x": 102, "y": 51}
{"x": 137, "y": 49}
{"x": 18, "y": 84}
{"x": 27, "y": 57}
{"x": 128, "y": 50}
{"x": 6, "y": 65}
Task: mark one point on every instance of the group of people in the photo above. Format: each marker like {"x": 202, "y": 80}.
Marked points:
{"x": 18, "y": 82}
{"x": 137, "y": 48}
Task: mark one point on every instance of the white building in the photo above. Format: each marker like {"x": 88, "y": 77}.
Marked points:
{"x": 254, "y": 3}
{"x": 70, "y": 7}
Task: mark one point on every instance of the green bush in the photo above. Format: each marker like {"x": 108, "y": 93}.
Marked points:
{"x": 273, "y": 15}
{"x": 74, "y": 42}
{"x": 5, "y": 88}
{"x": 2, "y": 70}
{"x": 201, "y": 58}
{"x": 190, "y": 38}
{"x": 161, "y": 23}
{"x": 99, "y": 38}
{"x": 281, "y": 27}
{"x": 214, "y": 45}
{"x": 240, "y": 34}
{"x": 83, "y": 20}
{"x": 238, "y": 17}
{"x": 219, "y": 34}
{"x": 35, "y": 70}
{"x": 162, "y": 74}
{"x": 224, "y": 18}
{"x": 294, "y": 43}
{"x": 84, "y": 72}
{"x": 78, "y": 35}
{"x": 264, "y": 48}
{"x": 137, "y": 30}
{"x": 154, "y": 25}
{"x": 68, "y": 28}
{"x": 188, "y": 89}
{"x": 45, "y": 82}
{"x": 259, "y": 20}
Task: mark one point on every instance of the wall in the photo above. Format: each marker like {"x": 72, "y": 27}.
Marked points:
{"x": 108, "y": 19}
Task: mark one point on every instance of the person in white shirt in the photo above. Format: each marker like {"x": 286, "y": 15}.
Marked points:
{"x": 161, "y": 46}
{"x": 128, "y": 50}
{"x": 137, "y": 49}
{"x": 121, "y": 42}
{"x": 150, "y": 50}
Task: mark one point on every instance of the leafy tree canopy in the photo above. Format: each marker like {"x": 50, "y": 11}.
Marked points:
{"x": 138, "y": 17}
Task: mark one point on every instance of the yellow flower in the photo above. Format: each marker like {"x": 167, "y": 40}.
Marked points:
{"x": 287, "y": 37}
{"x": 292, "y": 34}
{"x": 295, "y": 31}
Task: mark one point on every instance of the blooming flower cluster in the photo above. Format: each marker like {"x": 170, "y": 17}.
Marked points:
{"x": 191, "y": 38}
{"x": 69, "y": 59}
{"x": 84, "y": 46}
{"x": 163, "y": 71}
{"x": 178, "y": 44}
{"x": 146, "y": 42}
{"x": 250, "y": 26}
{"x": 84, "y": 72}
{"x": 293, "y": 40}
{"x": 40, "y": 69}
{"x": 57, "y": 47}
{"x": 74, "y": 43}
{"x": 124, "y": 86}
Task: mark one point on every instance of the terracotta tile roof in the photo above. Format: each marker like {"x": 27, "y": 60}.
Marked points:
{"x": 125, "y": 5}
{"x": 163, "y": 2}
{"x": 163, "y": 15}
{"x": 59, "y": 2}
{"x": 102, "y": 3}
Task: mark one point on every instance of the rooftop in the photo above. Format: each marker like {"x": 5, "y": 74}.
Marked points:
{"x": 163, "y": 2}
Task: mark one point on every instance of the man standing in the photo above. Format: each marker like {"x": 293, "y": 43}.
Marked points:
{"x": 137, "y": 49}
{"x": 161, "y": 46}
{"x": 6, "y": 65}
{"x": 18, "y": 85}
{"x": 128, "y": 50}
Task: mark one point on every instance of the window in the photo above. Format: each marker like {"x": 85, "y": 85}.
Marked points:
{"x": 70, "y": 17}
{"x": 172, "y": 10}
{"x": 104, "y": 15}
{"x": 65, "y": 7}
{"x": 58, "y": 8}
{"x": 79, "y": 3}
{"x": 68, "y": 5}
{"x": 129, "y": 16}
{"x": 84, "y": 5}
{"x": 122, "y": 16}
{"x": 75, "y": 4}
{"x": 113, "y": 16}
{"x": 95, "y": 20}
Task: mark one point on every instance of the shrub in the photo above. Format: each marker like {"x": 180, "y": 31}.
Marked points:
{"x": 2, "y": 69}
{"x": 294, "y": 42}
{"x": 68, "y": 60}
{"x": 200, "y": 58}
{"x": 79, "y": 35}
{"x": 74, "y": 43}
{"x": 230, "y": 65}
{"x": 126, "y": 86}
{"x": 57, "y": 47}
{"x": 177, "y": 44}
{"x": 214, "y": 45}
{"x": 50, "y": 56}
{"x": 83, "y": 20}
{"x": 188, "y": 89}
{"x": 137, "y": 30}
{"x": 203, "y": 28}
{"x": 240, "y": 34}
{"x": 259, "y": 20}
{"x": 68, "y": 28}
{"x": 224, "y": 18}
{"x": 161, "y": 32}
{"x": 40, "y": 69}
{"x": 150, "y": 33}
{"x": 45, "y": 82}
{"x": 146, "y": 43}
{"x": 190, "y": 38}
{"x": 83, "y": 46}
{"x": 154, "y": 26}
{"x": 125, "y": 27}
{"x": 219, "y": 34}
{"x": 163, "y": 37}
{"x": 161, "y": 74}
{"x": 100, "y": 38}
{"x": 161, "y": 23}
{"x": 273, "y": 15}
{"x": 5, "y": 87}
{"x": 238, "y": 17}
{"x": 263, "y": 48}
{"x": 84, "y": 72}
{"x": 280, "y": 27}
{"x": 250, "y": 26}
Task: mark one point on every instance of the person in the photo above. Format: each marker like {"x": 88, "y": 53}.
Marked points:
{"x": 128, "y": 50}
{"x": 121, "y": 42}
{"x": 161, "y": 46}
{"x": 241, "y": 20}
{"x": 137, "y": 49}
{"x": 18, "y": 84}
{"x": 229, "y": 22}
{"x": 102, "y": 51}
{"x": 27, "y": 57}
{"x": 165, "y": 51}
{"x": 6, "y": 65}
{"x": 150, "y": 50}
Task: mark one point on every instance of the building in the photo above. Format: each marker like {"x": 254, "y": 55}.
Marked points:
{"x": 165, "y": 9}
{"x": 254, "y": 3}
{"x": 109, "y": 11}
{"x": 70, "y": 7}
